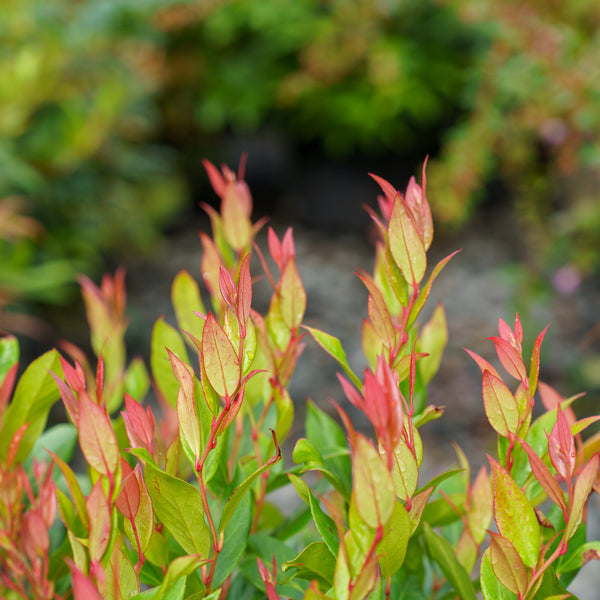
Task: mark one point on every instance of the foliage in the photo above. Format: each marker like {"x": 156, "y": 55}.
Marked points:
{"x": 178, "y": 505}
{"x": 77, "y": 133}
{"x": 534, "y": 123}
{"x": 104, "y": 105}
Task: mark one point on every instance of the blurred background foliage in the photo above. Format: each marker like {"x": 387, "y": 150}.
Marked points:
{"x": 107, "y": 106}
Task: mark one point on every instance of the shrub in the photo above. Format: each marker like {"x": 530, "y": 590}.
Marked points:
{"x": 178, "y": 505}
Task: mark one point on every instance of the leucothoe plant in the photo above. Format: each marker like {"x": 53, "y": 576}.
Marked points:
{"x": 181, "y": 460}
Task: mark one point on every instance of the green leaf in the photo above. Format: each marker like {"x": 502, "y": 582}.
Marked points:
{"x": 330, "y": 441}
{"x": 179, "y": 506}
{"x": 432, "y": 340}
{"x": 9, "y": 355}
{"x": 74, "y": 488}
{"x": 242, "y": 489}
{"x": 373, "y": 488}
{"x": 315, "y": 562}
{"x": 177, "y": 592}
{"x": 406, "y": 245}
{"x": 444, "y": 555}
{"x": 60, "y": 439}
{"x": 137, "y": 381}
{"x": 186, "y": 299}
{"x": 34, "y": 395}
{"x": 220, "y": 359}
{"x": 391, "y": 550}
{"x": 165, "y": 336}
{"x": 292, "y": 296}
{"x": 333, "y": 346}
{"x": 422, "y": 297}
{"x": 324, "y": 523}
{"x": 500, "y": 405}
{"x": 515, "y": 517}
{"x": 405, "y": 472}
{"x": 235, "y": 541}
{"x": 305, "y": 452}
{"x": 181, "y": 566}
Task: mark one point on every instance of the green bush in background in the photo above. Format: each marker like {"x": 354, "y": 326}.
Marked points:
{"x": 534, "y": 123}
{"x": 106, "y": 108}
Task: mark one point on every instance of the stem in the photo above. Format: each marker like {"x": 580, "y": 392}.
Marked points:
{"x": 256, "y": 427}
{"x": 212, "y": 442}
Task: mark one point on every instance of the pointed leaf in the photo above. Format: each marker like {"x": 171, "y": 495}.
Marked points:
{"x": 98, "y": 512}
{"x": 179, "y": 506}
{"x": 165, "y": 336}
{"x": 333, "y": 346}
{"x": 534, "y": 369}
{"x": 186, "y": 299}
{"x": 189, "y": 425}
{"x": 544, "y": 476}
{"x": 220, "y": 360}
{"x": 510, "y": 358}
{"x": 373, "y": 488}
{"x": 96, "y": 437}
{"x": 443, "y": 554}
{"x": 507, "y": 564}
{"x": 426, "y": 290}
{"x": 500, "y": 405}
{"x": 406, "y": 244}
{"x": 378, "y": 312}
{"x": 243, "y": 488}
{"x": 583, "y": 488}
{"x": 391, "y": 550}
{"x": 33, "y": 397}
{"x": 515, "y": 517}
{"x": 315, "y": 562}
{"x": 292, "y": 296}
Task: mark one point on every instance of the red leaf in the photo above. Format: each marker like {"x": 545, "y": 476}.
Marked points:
{"x": 510, "y": 358}
{"x": 507, "y": 334}
{"x": 83, "y": 588}
{"x": 227, "y": 286}
{"x": 544, "y": 476}
{"x": 388, "y": 189}
{"x": 379, "y": 313}
{"x": 215, "y": 178}
{"x": 97, "y": 437}
{"x": 483, "y": 364}
{"x": 268, "y": 578}
{"x": 534, "y": 368}
{"x": 210, "y": 263}
{"x": 582, "y": 490}
{"x": 73, "y": 376}
{"x": 507, "y": 565}
{"x": 352, "y": 393}
{"x": 139, "y": 424}
{"x": 275, "y": 248}
{"x": 7, "y": 387}
{"x": 99, "y": 378}
{"x": 128, "y": 500}
{"x": 561, "y": 446}
{"x": 34, "y": 538}
{"x": 98, "y": 512}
